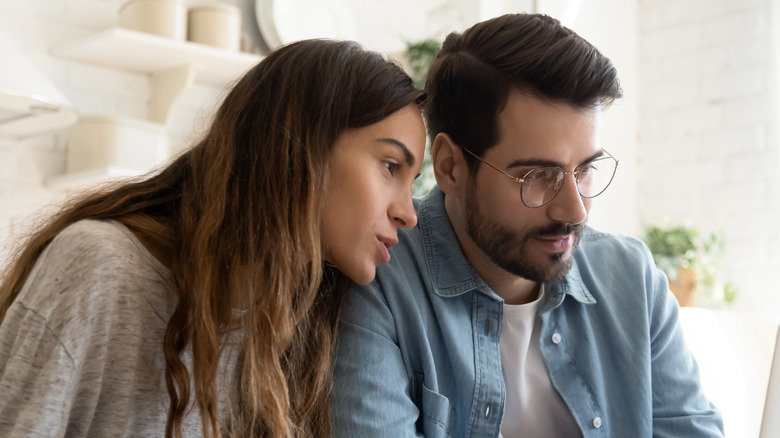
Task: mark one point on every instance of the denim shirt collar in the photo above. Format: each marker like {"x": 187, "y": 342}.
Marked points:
{"x": 452, "y": 275}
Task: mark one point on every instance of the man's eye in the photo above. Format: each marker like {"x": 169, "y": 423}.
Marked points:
{"x": 542, "y": 175}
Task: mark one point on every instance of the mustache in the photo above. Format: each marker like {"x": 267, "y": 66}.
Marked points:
{"x": 559, "y": 228}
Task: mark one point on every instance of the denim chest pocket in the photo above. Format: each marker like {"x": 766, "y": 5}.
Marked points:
{"x": 435, "y": 411}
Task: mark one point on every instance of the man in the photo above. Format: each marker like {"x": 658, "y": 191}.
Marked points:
{"x": 501, "y": 313}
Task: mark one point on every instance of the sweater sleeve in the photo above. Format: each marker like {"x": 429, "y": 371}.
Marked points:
{"x": 36, "y": 375}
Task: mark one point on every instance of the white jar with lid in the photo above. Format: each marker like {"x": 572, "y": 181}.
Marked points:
{"x": 166, "y": 18}
{"x": 215, "y": 24}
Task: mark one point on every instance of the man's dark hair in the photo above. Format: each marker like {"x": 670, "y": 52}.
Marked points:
{"x": 473, "y": 74}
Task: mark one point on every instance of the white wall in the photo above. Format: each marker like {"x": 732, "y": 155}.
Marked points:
{"x": 708, "y": 127}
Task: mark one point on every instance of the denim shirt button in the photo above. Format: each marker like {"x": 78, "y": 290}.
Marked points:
{"x": 597, "y": 422}
{"x": 556, "y": 338}
{"x": 487, "y": 411}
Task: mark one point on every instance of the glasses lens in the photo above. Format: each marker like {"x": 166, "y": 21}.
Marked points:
{"x": 594, "y": 177}
{"x": 541, "y": 185}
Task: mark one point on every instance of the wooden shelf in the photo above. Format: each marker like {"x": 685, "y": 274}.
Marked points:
{"x": 147, "y": 53}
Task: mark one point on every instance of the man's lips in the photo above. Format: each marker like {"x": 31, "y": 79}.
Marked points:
{"x": 560, "y": 230}
{"x": 556, "y": 244}
{"x": 558, "y": 237}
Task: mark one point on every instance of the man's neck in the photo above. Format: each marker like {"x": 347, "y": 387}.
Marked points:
{"x": 513, "y": 289}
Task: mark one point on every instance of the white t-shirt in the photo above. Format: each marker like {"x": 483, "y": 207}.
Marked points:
{"x": 533, "y": 407}
{"x": 81, "y": 346}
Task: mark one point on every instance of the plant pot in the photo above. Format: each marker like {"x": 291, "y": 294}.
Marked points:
{"x": 684, "y": 288}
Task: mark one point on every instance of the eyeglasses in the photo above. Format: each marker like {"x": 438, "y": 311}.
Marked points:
{"x": 539, "y": 186}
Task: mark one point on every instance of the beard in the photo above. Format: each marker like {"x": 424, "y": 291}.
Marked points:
{"x": 508, "y": 249}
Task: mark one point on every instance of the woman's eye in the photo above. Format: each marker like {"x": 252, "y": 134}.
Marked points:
{"x": 391, "y": 167}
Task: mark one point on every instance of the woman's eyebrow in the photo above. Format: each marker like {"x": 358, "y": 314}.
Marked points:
{"x": 408, "y": 156}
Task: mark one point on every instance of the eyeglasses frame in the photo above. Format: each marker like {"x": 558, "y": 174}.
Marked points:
{"x": 565, "y": 172}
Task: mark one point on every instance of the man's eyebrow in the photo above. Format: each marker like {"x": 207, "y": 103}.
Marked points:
{"x": 539, "y": 162}
{"x": 408, "y": 157}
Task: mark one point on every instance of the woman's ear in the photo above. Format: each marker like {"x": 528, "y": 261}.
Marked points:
{"x": 449, "y": 167}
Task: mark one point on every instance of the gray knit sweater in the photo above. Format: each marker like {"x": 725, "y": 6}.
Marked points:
{"x": 81, "y": 346}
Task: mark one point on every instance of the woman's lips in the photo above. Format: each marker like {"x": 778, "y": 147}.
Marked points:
{"x": 384, "y": 244}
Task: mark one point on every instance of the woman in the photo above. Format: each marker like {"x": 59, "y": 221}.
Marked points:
{"x": 203, "y": 300}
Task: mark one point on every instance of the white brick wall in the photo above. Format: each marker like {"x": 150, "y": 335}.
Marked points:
{"x": 708, "y": 150}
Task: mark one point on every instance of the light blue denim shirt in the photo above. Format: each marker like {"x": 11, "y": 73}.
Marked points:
{"x": 418, "y": 352}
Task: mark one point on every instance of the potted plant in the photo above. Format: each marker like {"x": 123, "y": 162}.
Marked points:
{"x": 689, "y": 260}
{"x": 419, "y": 56}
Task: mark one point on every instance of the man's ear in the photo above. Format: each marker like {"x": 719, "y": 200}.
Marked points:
{"x": 449, "y": 165}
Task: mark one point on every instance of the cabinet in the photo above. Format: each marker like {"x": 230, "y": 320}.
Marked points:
{"x": 172, "y": 66}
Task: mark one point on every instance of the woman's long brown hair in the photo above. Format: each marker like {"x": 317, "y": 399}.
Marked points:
{"x": 239, "y": 213}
